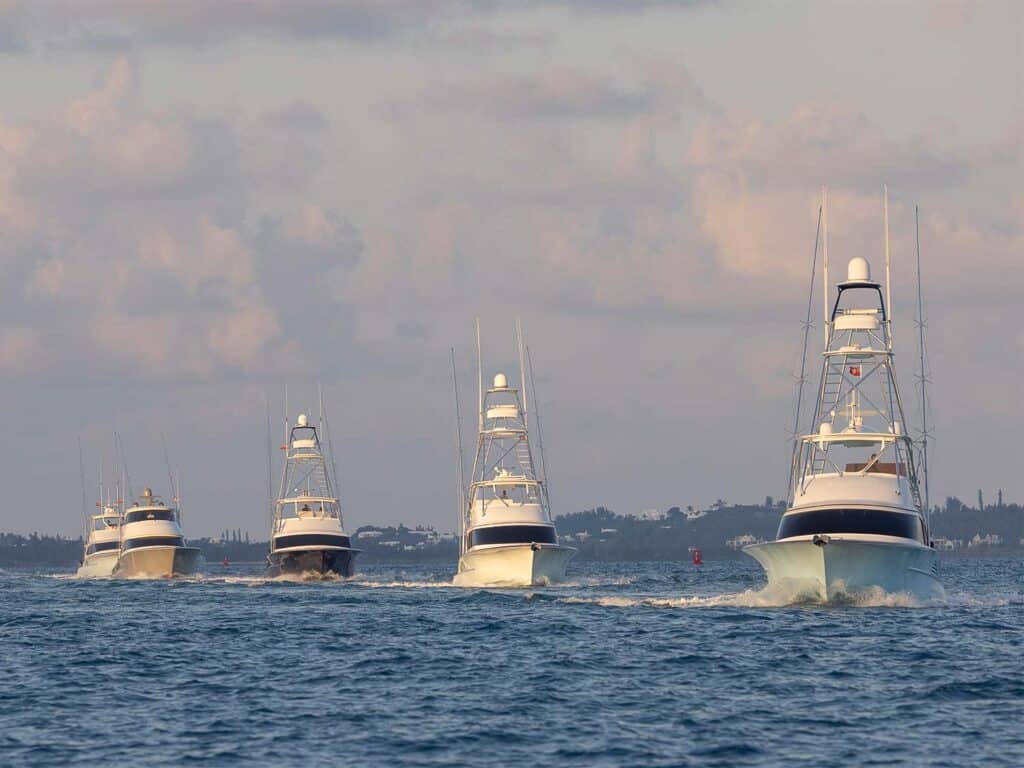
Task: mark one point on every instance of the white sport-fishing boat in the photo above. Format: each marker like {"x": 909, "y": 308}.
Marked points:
{"x": 855, "y": 519}
{"x": 103, "y": 543}
{"x": 307, "y": 533}
{"x": 152, "y": 544}
{"x": 508, "y": 537}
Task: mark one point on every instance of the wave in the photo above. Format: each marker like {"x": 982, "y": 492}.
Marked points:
{"x": 775, "y": 597}
{"x": 405, "y": 584}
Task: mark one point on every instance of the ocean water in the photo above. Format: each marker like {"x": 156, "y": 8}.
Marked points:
{"x": 628, "y": 664}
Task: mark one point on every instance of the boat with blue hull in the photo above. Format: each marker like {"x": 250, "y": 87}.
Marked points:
{"x": 856, "y": 518}
{"x": 307, "y": 533}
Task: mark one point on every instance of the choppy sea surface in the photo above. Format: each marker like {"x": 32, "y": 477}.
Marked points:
{"x": 627, "y": 664}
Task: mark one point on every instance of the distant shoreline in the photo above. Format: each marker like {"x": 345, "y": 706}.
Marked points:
{"x": 599, "y": 535}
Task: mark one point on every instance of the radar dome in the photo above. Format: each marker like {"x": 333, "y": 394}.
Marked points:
{"x": 858, "y": 271}
{"x": 302, "y": 420}
{"x": 500, "y": 382}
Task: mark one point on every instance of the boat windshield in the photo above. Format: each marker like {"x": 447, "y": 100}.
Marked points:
{"x": 880, "y": 522}
{"x": 104, "y": 523}
{"x": 149, "y": 514}
{"x": 513, "y": 534}
{"x": 153, "y": 541}
{"x": 306, "y": 508}
{"x": 102, "y": 546}
{"x": 518, "y": 493}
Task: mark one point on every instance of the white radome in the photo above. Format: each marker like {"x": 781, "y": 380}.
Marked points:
{"x": 302, "y": 420}
{"x": 500, "y": 382}
{"x": 858, "y": 270}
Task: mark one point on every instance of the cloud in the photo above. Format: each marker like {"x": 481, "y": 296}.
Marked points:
{"x": 757, "y": 185}
{"x": 555, "y": 95}
{"x": 132, "y": 227}
{"x": 298, "y": 117}
{"x": 110, "y": 26}
{"x": 22, "y": 350}
{"x": 949, "y": 14}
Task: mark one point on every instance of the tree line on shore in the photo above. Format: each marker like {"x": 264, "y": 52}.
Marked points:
{"x": 598, "y": 534}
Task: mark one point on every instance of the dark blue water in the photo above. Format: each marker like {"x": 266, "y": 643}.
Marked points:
{"x": 630, "y": 664}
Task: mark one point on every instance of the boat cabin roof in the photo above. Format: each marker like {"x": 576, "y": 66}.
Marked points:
{"x": 506, "y": 481}
{"x": 308, "y": 500}
{"x": 853, "y": 438}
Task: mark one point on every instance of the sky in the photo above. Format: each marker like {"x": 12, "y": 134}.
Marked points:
{"x": 201, "y": 203}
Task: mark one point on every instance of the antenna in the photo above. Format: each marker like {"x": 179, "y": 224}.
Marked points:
{"x": 85, "y": 503}
{"x": 176, "y": 490}
{"x": 335, "y": 489}
{"x": 287, "y": 432}
{"x": 462, "y": 476}
{"x": 480, "y": 376}
{"x": 924, "y": 380}
{"x": 170, "y": 475}
{"x": 522, "y": 372}
{"x": 126, "y": 486}
{"x": 824, "y": 271}
{"x": 803, "y": 358}
{"x": 270, "y": 489}
{"x": 540, "y": 433}
{"x": 888, "y": 274}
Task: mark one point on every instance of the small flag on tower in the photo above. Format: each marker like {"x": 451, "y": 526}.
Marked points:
{"x": 855, "y": 370}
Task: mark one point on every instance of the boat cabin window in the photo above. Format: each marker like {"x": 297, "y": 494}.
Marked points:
{"x": 304, "y": 509}
{"x": 876, "y": 521}
{"x": 104, "y": 523}
{"x": 154, "y": 541}
{"x": 102, "y": 546}
{"x": 517, "y": 494}
{"x": 149, "y": 514}
{"x": 879, "y": 467}
{"x": 513, "y": 534}
{"x": 312, "y": 540}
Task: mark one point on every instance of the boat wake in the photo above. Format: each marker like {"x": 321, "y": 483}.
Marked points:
{"x": 781, "y": 598}
{"x": 405, "y": 584}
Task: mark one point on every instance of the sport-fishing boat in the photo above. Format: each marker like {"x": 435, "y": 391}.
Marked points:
{"x": 855, "y": 518}
{"x": 307, "y": 533}
{"x": 103, "y": 543}
{"x": 152, "y": 544}
{"x": 508, "y": 537}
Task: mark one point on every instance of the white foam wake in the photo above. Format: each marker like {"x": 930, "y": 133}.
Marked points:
{"x": 776, "y": 597}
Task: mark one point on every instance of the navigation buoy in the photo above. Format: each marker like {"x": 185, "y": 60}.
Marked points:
{"x": 697, "y": 559}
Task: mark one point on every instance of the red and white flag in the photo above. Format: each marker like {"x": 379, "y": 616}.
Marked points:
{"x": 855, "y": 370}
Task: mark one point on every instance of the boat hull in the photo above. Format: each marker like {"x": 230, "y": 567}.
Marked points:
{"x": 341, "y": 562}
{"x": 833, "y": 566}
{"x": 98, "y": 565}
{"x": 158, "y": 562}
{"x": 514, "y": 565}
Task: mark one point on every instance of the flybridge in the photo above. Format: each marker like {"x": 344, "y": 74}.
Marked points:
{"x": 307, "y": 533}
{"x": 858, "y": 405}
{"x": 506, "y": 534}
{"x": 858, "y": 424}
